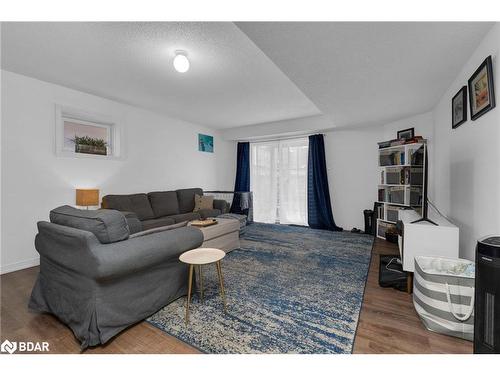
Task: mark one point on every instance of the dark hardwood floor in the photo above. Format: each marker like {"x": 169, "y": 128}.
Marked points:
{"x": 388, "y": 322}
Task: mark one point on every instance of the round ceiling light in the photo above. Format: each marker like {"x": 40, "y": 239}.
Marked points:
{"x": 181, "y": 62}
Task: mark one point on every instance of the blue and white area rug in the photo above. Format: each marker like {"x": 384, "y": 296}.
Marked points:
{"x": 288, "y": 289}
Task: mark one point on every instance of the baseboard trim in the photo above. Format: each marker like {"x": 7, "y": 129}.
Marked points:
{"x": 12, "y": 267}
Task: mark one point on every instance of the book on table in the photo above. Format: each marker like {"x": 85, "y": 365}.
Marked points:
{"x": 203, "y": 223}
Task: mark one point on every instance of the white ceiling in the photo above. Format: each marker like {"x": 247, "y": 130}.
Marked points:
{"x": 362, "y": 73}
{"x": 230, "y": 83}
{"x": 251, "y": 73}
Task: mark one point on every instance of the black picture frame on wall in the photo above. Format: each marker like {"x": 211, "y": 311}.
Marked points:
{"x": 406, "y": 133}
{"x": 481, "y": 90}
{"x": 459, "y": 108}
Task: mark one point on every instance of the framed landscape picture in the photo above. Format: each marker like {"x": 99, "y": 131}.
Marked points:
{"x": 205, "y": 143}
{"x": 406, "y": 133}
{"x": 481, "y": 90}
{"x": 459, "y": 108}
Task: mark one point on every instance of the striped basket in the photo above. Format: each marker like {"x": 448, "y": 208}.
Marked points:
{"x": 443, "y": 295}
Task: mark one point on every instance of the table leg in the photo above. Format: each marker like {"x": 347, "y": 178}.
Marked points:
{"x": 190, "y": 284}
{"x": 409, "y": 282}
{"x": 201, "y": 281}
{"x": 221, "y": 280}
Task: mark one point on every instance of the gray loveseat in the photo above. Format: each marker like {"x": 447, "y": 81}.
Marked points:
{"x": 160, "y": 208}
{"x": 98, "y": 279}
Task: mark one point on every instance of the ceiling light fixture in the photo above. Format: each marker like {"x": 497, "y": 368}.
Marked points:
{"x": 181, "y": 62}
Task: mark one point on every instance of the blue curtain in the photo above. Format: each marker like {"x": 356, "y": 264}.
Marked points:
{"x": 319, "y": 207}
{"x": 242, "y": 182}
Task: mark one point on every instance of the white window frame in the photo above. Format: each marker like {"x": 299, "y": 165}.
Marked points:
{"x": 84, "y": 117}
{"x": 279, "y": 144}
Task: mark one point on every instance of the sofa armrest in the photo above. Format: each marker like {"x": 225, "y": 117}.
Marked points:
{"x": 68, "y": 248}
{"x": 81, "y": 252}
{"x": 120, "y": 258}
{"x": 222, "y": 205}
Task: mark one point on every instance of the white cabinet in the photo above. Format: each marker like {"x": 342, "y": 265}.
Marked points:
{"x": 424, "y": 238}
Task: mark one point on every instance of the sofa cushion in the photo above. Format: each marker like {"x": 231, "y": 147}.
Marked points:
{"x": 107, "y": 225}
{"x": 186, "y": 199}
{"x": 222, "y": 205}
{"x": 159, "y": 229}
{"x": 134, "y": 224}
{"x": 203, "y": 202}
{"x": 138, "y": 203}
{"x": 186, "y": 217}
{"x": 164, "y": 203}
{"x": 209, "y": 212}
{"x": 154, "y": 223}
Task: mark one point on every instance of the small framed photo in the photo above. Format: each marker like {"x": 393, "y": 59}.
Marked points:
{"x": 406, "y": 133}
{"x": 459, "y": 108}
{"x": 205, "y": 143}
{"x": 481, "y": 90}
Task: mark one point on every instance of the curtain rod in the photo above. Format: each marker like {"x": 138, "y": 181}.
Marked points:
{"x": 281, "y": 138}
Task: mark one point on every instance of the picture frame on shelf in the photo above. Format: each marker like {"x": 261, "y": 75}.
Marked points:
{"x": 481, "y": 90}
{"x": 459, "y": 108}
{"x": 406, "y": 133}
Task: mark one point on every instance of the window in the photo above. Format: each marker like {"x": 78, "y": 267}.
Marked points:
{"x": 279, "y": 181}
{"x": 84, "y": 134}
{"x": 75, "y": 130}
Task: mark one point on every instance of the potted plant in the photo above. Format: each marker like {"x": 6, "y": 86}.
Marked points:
{"x": 89, "y": 145}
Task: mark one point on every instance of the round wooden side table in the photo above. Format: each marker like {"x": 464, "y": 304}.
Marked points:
{"x": 200, "y": 257}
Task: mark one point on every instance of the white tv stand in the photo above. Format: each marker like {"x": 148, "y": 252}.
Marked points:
{"x": 426, "y": 239}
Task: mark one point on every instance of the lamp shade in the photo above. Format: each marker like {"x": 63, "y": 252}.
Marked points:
{"x": 87, "y": 197}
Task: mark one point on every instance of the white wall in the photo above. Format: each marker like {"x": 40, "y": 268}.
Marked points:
{"x": 293, "y": 127}
{"x": 467, "y": 159}
{"x": 161, "y": 154}
{"x": 351, "y": 159}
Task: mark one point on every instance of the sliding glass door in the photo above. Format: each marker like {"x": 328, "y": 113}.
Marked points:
{"x": 278, "y": 178}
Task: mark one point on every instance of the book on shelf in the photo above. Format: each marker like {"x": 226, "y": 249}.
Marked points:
{"x": 399, "y": 142}
{"x": 382, "y": 195}
{"x": 393, "y": 158}
{"x": 398, "y": 175}
{"x": 396, "y": 194}
{"x": 405, "y": 176}
{"x": 417, "y": 157}
{"x": 380, "y": 212}
{"x": 416, "y": 139}
{"x": 384, "y": 144}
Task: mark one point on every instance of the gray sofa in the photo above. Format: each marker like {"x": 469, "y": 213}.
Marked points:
{"x": 98, "y": 279}
{"x": 160, "y": 208}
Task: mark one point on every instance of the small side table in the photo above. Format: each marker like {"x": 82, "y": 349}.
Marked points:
{"x": 200, "y": 257}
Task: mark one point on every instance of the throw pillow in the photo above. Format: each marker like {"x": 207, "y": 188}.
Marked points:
{"x": 203, "y": 202}
{"x": 159, "y": 229}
